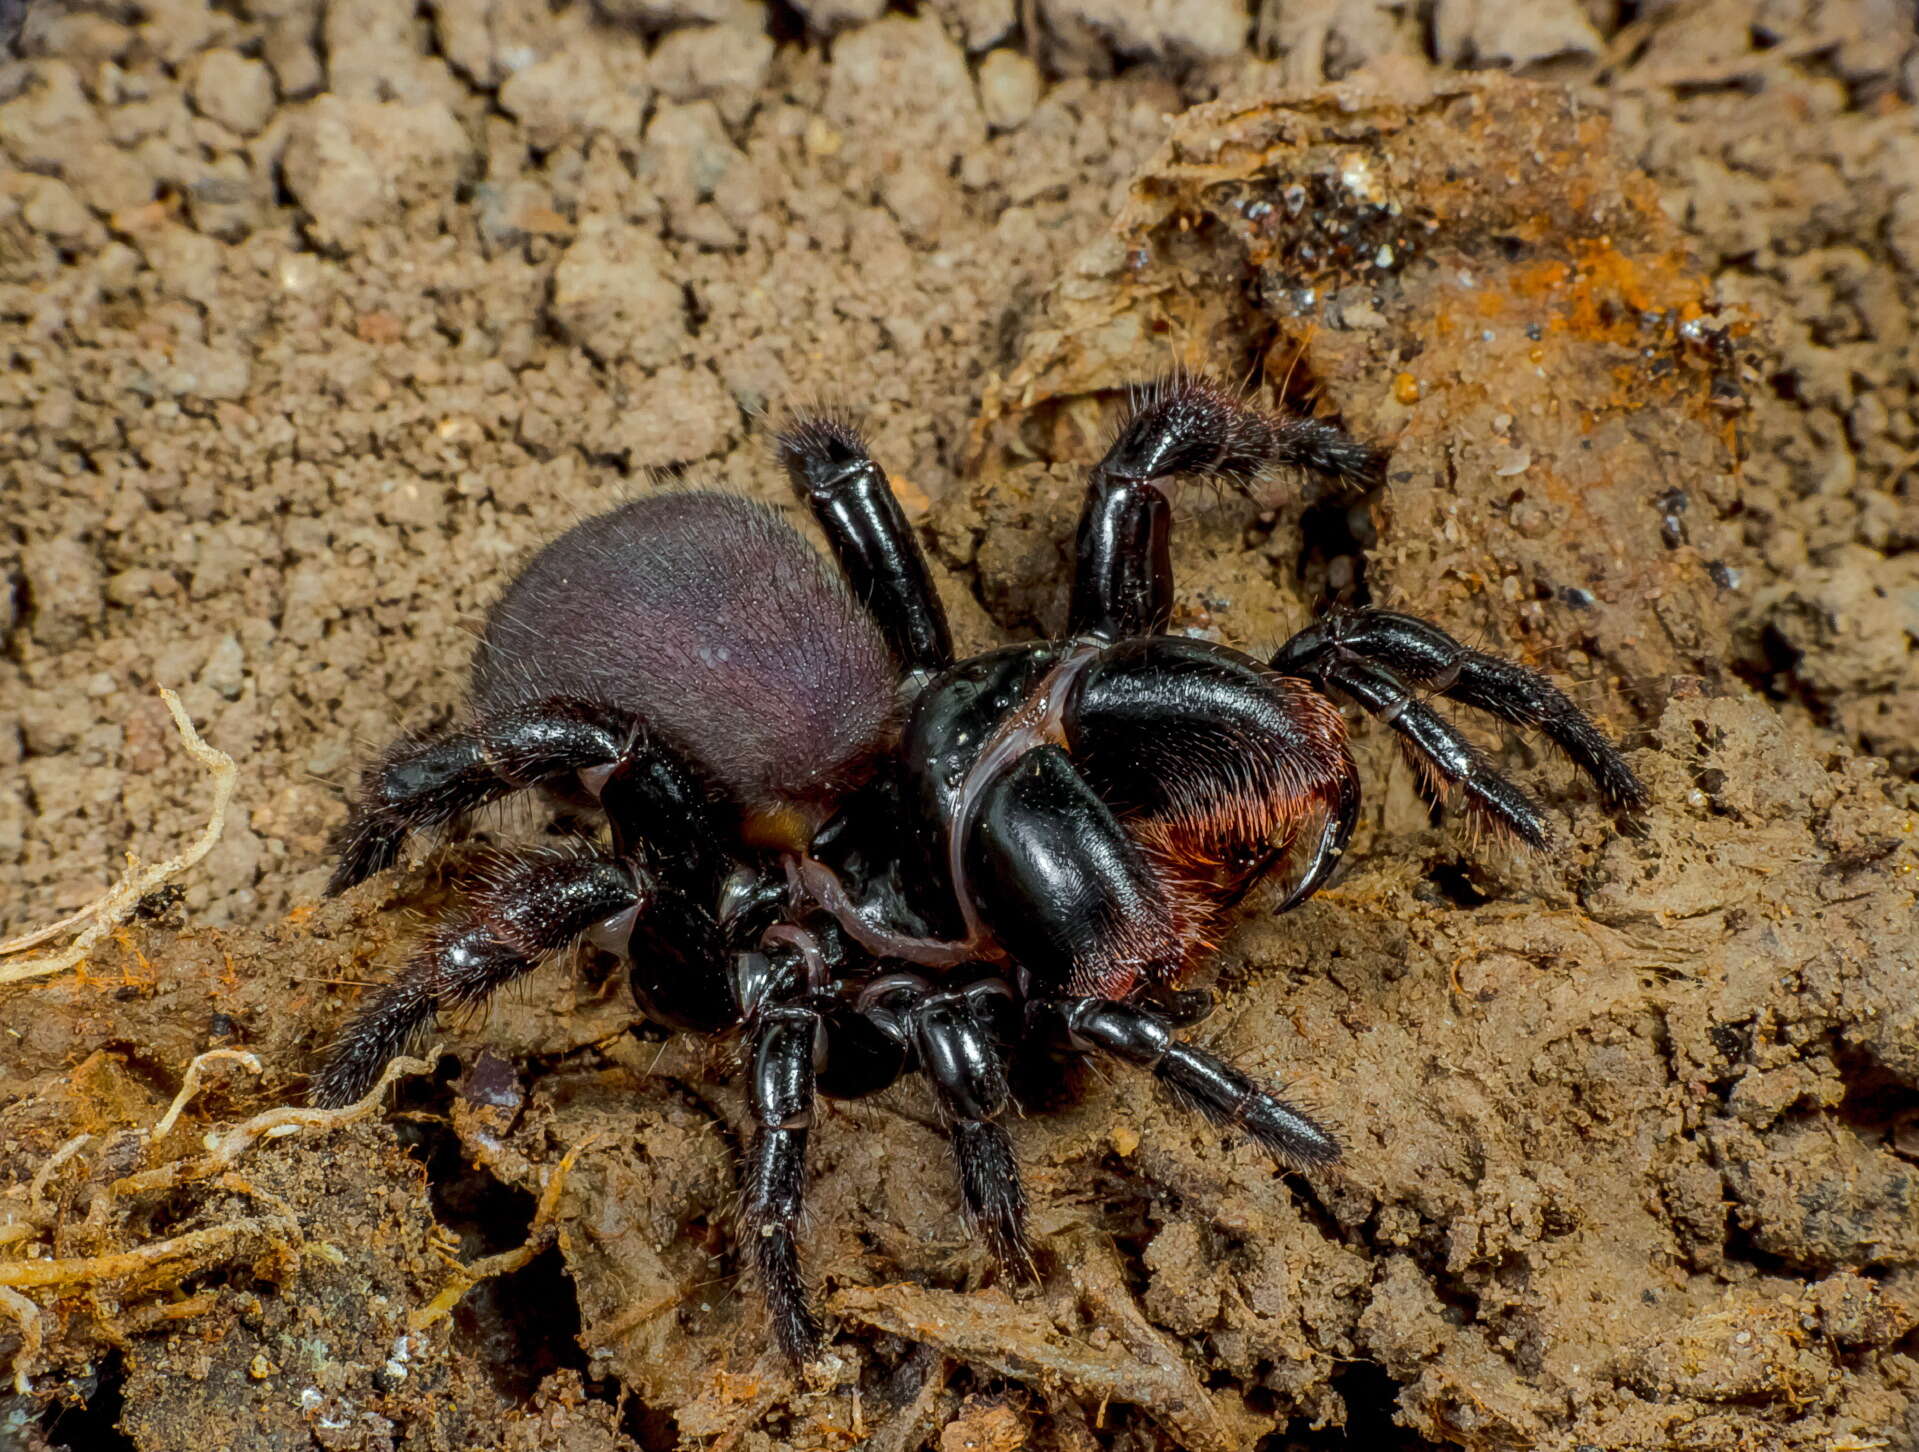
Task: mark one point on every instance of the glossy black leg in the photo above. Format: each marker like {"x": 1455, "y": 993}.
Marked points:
{"x": 1224, "y": 1094}
{"x": 507, "y": 928}
{"x": 957, "y": 1051}
{"x": 1421, "y": 654}
{"x": 428, "y": 781}
{"x": 1436, "y": 746}
{"x": 780, "y": 1092}
{"x": 828, "y": 463}
{"x": 1069, "y": 894}
{"x": 1184, "y": 425}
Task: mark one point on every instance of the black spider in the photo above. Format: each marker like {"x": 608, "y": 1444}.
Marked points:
{"x": 865, "y": 858}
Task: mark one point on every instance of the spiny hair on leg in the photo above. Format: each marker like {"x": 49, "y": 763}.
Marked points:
{"x": 1186, "y": 423}
{"x": 817, "y": 441}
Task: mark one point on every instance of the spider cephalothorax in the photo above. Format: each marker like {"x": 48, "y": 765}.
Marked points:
{"x": 866, "y": 859}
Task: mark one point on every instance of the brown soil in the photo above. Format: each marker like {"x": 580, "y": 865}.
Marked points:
{"x": 318, "y": 317}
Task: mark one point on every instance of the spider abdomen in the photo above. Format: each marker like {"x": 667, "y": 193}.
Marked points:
{"x": 706, "y": 617}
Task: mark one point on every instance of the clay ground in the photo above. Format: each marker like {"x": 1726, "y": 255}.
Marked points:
{"x": 316, "y": 317}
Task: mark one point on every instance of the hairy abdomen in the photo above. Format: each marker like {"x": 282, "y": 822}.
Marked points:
{"x": 708, "y": 618}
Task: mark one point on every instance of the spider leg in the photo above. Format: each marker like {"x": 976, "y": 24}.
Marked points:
{"x": 1437, "y": 746}
{"x": 427, "y": 781}
{"x": 1067, "y": 891}
{"x": 832, "y": 471}
{"x": 957, "y": 1051}
{"x": 1420, "y": 653}
{"x": 1224, "y": 1094}
{"x": 507, "y": 929}
{"x": 780, "y": 1095}
{"x": 1123, "y": 585}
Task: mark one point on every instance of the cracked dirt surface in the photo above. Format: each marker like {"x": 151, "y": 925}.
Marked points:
{"x": 317, "y": 317}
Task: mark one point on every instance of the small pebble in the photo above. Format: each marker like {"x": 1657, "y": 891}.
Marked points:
{"x": 1009, "y": 87}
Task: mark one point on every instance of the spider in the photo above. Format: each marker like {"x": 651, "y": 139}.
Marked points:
{"x": 864, "y": 858}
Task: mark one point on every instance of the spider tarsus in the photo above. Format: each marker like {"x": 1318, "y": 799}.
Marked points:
{"x": 1229, "y": 1097}
{"x": 366, "y": 844}
{"x": 818, "y": 447}
{"x": 776, "y": 1181}
{"x": 1223, "y": 1093}
{"x": 992, "y": 1192}
{"x": 1188, "y": 424}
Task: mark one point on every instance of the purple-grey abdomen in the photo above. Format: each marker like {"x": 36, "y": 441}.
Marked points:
{"x": 709, "y": 618}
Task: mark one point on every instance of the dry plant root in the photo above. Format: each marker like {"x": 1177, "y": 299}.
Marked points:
{"x": 190, "y": 1085}
{"x": 107, "y": 912}
{"x": 223, "y": 1151}
{"x": 539, "y": 1234}
{"x": 195, "y": 1250}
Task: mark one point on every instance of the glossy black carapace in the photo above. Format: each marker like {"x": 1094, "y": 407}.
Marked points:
{"x": 866, "y": 859}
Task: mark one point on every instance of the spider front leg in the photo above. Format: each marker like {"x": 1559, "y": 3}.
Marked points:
{"x": 780, "y": 1096}
{"x": 1123, "y": 585}
{"x": 1377, "y": 656}
{"x": 1224, "y": 1094}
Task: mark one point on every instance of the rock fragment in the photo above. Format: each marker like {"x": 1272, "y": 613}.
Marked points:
{"x": 1009, "y": 87}
{"x": 1169, "y": 29}
{"x": 615, "y": 293}
{"x": 349, "y": 163}
{"x": 234, "y": 90}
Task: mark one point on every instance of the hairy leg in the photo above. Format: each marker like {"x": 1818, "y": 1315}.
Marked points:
{"x": 780, "y": 1094}
{"x": 1421, "y": 654}
{"x": 1184, "y": 425}
{"x": 427, "y": 781}
{"x": 1379, "y": 657}
{"x": 957, "y": 1051}
{"x": 505, "y": 930}
{"x": 1224, "y": 1094}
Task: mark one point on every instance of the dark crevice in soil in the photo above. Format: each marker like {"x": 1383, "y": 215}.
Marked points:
{"x": 524, "y": 1327}
{"x": 650, "y": 1429}
{"x": 1370, "y": 1396}
{"x": 1742, "y": 1247}
{"x": 487, "y": 1216}
{"x": 1336, "y": 530}
{"x": 1455, "y": 881}
{"x": 94, "y": 1426}
{"x": 1877, "y": 1101}
{"x": 1335, "y": 535}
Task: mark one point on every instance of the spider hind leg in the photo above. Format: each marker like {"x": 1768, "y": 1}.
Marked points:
{"x": 957, "y": 1051}
{"x": 427, "y": 781}
{"x": 511, "y": 926}
{"x": 773, "y": 1182}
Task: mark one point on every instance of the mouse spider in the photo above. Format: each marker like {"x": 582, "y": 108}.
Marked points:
{"x": 864, "y": 858}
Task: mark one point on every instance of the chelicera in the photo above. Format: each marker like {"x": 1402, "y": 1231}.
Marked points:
{"x": 864, "y": 858}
